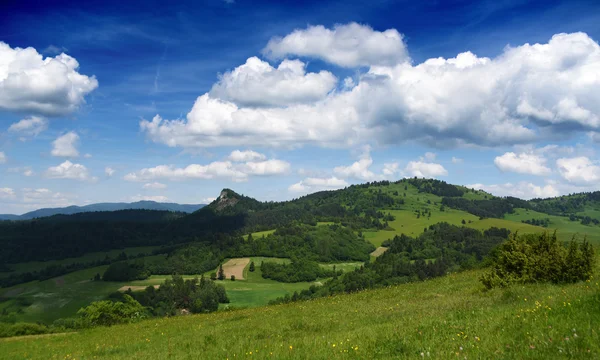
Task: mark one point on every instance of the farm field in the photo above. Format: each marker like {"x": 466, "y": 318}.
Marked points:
{"x": 448, "y": 317}
{"x": 65, "y": 295}
{"x": 251, "y": 292}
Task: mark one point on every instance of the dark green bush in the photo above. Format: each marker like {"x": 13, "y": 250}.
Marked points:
{"x": 20, "y": 329}
{"x": 107, "y": 313}
{"x": 533, "y": 258}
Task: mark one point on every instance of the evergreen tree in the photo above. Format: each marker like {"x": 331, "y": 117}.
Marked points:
{"x": 251, "y": 268}
{"x": 221, "y": 275}
{"x": 232, "y": 277}
{"x": 213, "y": 276}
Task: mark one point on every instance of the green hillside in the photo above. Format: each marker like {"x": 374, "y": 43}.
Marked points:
{"x": 449, "y": 317}
{"x": 430, "y": 228}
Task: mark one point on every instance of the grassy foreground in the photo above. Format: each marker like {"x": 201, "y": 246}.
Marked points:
{"x": 449, "y": 317}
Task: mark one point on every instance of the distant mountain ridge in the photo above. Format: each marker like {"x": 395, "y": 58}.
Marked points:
{"x": 138, "y": 205}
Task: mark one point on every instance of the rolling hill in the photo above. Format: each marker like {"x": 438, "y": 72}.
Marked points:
{"x": 333, "y": 228}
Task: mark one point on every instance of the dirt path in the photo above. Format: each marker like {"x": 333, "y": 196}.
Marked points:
{"x": 235, "y": 267}
{"x": 379, "y": 251}
{"x": 135, "y": 287}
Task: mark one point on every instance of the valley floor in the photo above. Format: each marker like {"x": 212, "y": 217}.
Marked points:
{"x": 450, "y": 317}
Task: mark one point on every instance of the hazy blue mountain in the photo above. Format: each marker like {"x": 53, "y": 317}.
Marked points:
{"x": 146, "y": 205}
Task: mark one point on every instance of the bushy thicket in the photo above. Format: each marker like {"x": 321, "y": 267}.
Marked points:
{"x": 107, "y": 313}
{"x": 532, "y": 258}
{"x": 21, "y": 329}
{"x": 327, "y": 243}
{"x": 296, "y": 271}
{"x": 491, "y": 208}
{"x": 196, "y": 295}
{"x": 537, "y": 222}
{"x": 441, "y": 249}
{"x": 436, "y": 187}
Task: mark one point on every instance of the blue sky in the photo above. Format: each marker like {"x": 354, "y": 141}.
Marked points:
{"x": 174, "y": 102}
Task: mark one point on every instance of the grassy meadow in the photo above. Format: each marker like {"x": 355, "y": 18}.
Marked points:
{"x": 449, "y": 317}
{"x": 64, "y": 296}
{"x": 564, "y": 227}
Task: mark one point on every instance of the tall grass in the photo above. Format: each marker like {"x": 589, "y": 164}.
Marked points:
{"x": 449, "y": 317}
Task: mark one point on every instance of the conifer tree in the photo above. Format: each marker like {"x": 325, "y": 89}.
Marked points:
{"x": 221, "y": 275}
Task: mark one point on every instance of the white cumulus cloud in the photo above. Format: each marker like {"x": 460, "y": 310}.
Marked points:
{"x": 49, "y": 86}
{"x": 7, "y": 193}
{"x": 425, "y": 169}
{"x": 527, "y": 93}
{"x": 359, "y": 169}
{"x": 579, "y": 170}
{"x": 349, "y": 45}
{"x": 154, "y": 186}
{"x": 312, "y": 184}
{"x": 69, "y": 170}
{"x": 32, "y": 126}
{"x": 2, "y": 157}
{"x": 522, "y": 190}
{"x": 109, "y": 171}
{"x": 523, "y": 163}
{"x": 66, "y": 145}
{"x": 256, "y": 83}
{"x": 213, "y": 170}
{"x": 247, "y": 155}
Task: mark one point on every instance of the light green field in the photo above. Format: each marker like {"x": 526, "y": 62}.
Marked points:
{"x": 90, "y": 257}
{"x": 565, "y": 229}
{"x": 406, "y": 222}
{"x": 65, "y": 295}
{"x": 260, "y": 234}
{"x": 592, "y": 210}
{"x": 58, "y": 297}
{"x": 251, "y": 292}
{"x": 445, "y": 318}
{"x": 346, "y": 267}
{"x": 513, "y": 226}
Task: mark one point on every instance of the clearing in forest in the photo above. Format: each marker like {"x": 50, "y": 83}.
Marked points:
{"x": 235, "y": 267}
{"x": 135, "y": 287}
{"x": 379, "y": 251}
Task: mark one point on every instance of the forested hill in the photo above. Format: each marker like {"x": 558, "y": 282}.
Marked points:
{"x": 69, "y": 210}
{"x": 364, "y": 207}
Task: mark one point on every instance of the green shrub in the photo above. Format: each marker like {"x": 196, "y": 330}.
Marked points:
{"x": 533, "y": 258}
{"x": 107, "y": 313}
{"x": 20, "y": 329}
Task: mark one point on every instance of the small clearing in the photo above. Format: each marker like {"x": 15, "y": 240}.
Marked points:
{"x": 379, "y": 251}
{"x": 235, "y": 267}
{"x": 135, "y": 287}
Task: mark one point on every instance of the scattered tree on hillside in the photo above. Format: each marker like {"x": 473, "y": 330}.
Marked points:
{"x": 251, "y": 268}
{"x": 213, "y": 276}
{"x": 221, "y": 275}
{"x": 232, "y": 277}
